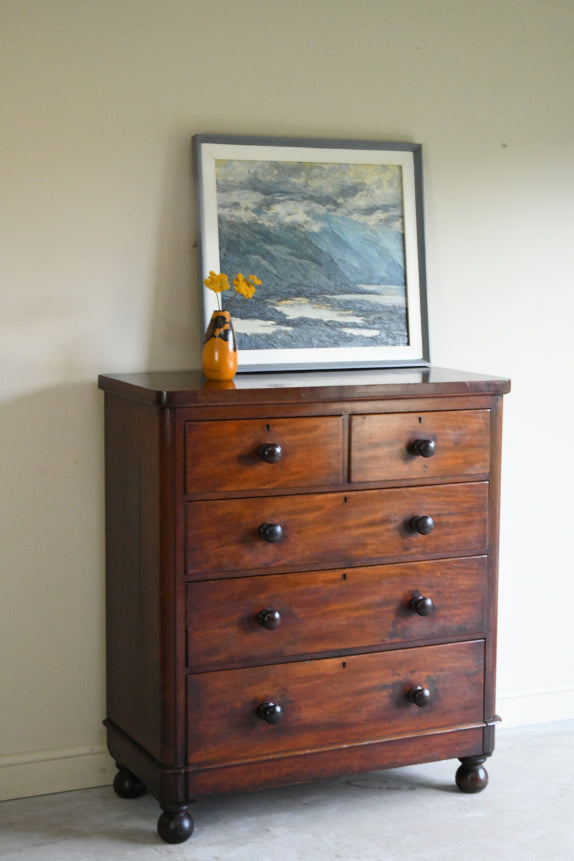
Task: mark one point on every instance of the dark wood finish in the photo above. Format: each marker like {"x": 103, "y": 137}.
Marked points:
{"x": 334, "y": 529}
{"x": 323, "y": 763}
{"x": 322, "y": 612}
{"x": 272, "y": 533}
{"x": 471, "y": 775}
{"x": 126, "y": 784}
{"x": 270, "y": 712}
{"x": 134, "y": 560}
{"x": 422, "y": 447}
{"x": 269, "y": 618}
{"x": 174, "y": 783}
{"x": 337, "y": 638}
{"x": 422, "y": 605}
{"x": 333, "y": 701}
{"x": 228, "y": 455}
{"x": 421, "y": 523}
{"x": 175, "y": 825}
{"x": 270, "y": 452}
{"x": 419, "y": 445}
{"x": 420, "y": 696}
{"x": 190, "y": 388}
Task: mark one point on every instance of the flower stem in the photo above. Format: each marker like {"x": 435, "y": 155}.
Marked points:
{"x": 230, "y": 303}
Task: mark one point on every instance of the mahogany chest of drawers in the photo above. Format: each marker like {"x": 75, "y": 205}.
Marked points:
{"x": 301, "y": 578}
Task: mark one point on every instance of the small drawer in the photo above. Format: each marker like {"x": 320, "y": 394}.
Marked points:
{"x": 256, "y": 620}
{"x": 251, "y": 454}
{"x": 330, "y": 530}
{"x": 243, "y": 714}
{"x": 419, "y": 445}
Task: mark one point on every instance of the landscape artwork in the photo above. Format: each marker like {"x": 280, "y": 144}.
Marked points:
{"x": 327, "y": 241}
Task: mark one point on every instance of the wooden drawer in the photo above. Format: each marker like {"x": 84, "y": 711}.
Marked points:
{"x": 255, "y": 620}
{"x": 230, "y": 455}
{"x": 383, "y": 446}
{"x": 329, "y": 530}
{"x": 333, "y": 702}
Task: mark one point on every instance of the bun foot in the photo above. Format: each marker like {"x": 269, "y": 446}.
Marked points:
{"x": 175, "y": 825}
{"x": 126, "y": 784}
{"x": 471, "y": 776}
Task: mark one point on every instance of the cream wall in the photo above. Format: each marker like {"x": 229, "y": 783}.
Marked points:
{"x": 99, "y": 101}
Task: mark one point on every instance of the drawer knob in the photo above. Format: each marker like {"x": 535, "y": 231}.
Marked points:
{"x": 421, "y": 604}
{"x": 269, "y": 619}
{"x": 271, "y": 532}
{"x": 270, "y": 712}
{"x": 422, "y": 523}
{"x": 420, "y": 696}
{"x": 422, "y": 447}
{"x": 270, "y": 452}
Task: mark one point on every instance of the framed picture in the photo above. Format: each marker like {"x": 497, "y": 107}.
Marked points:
{"x": 335, "y": 232}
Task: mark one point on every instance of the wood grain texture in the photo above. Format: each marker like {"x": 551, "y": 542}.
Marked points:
{"x": 492, "y": 594}
{"x": 188, "y": 574}
{"x": 326, "y": 611}
{"x": 331, "y": 762}
{"x": 332, "y": 702}
{"x": 225, "y": 455}
{"x": 334, "y": 529}
{"x": 380, "y": 445}
{"x": 133, "y": 611}
{"x": 186, "y": 388}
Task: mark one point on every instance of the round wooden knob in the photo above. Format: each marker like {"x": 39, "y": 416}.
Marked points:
{"x": 270, "y": 452}
{"x": 270, "y": 712}
{"x": 422, "y": 447}
{"x": 422, "y": 523}
{"x": 421, "y": 605}
{"x": 271, "y": 532}
{"x": 420, "y": 696}
{"x": 269, "y": 619}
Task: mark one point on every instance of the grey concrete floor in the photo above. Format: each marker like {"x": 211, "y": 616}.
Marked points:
{"x": 525, "y": 813}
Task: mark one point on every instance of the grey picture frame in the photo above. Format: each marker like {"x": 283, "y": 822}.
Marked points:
{"x": 335, "y": 231}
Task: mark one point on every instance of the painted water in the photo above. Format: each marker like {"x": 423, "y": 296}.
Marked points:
{"x": 374, "y": 316}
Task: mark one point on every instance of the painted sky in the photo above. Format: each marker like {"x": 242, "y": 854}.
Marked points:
{"x": 306, "y": 193}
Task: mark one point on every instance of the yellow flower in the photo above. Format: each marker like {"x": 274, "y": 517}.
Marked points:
{"x": 245, "y": 286}
{"x": 217, "y": 283}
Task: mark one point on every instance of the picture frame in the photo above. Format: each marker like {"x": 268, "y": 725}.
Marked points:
{"x": 335, "y": 232}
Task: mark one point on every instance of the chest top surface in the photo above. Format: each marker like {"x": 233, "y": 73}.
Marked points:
{"x": 190, "y": 388}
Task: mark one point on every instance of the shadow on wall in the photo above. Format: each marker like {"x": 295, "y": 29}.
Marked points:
{"x": 52, "y": 608}
{"x": 175, "y": 329}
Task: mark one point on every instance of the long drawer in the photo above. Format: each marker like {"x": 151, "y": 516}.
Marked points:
{"x": 333, "y": 702}
{"x": 256, "y": 620}
{"x": 334, "y": 529}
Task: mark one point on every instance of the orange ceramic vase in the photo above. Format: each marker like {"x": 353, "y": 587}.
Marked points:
{"x": 219, "y": 357}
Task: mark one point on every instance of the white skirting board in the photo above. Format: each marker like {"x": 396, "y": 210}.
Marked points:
{"x": 536, "y": 707}
{"x": 42, "y": 772}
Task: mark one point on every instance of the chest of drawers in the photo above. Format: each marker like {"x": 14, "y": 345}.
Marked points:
{"x": 301, "y": 578}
